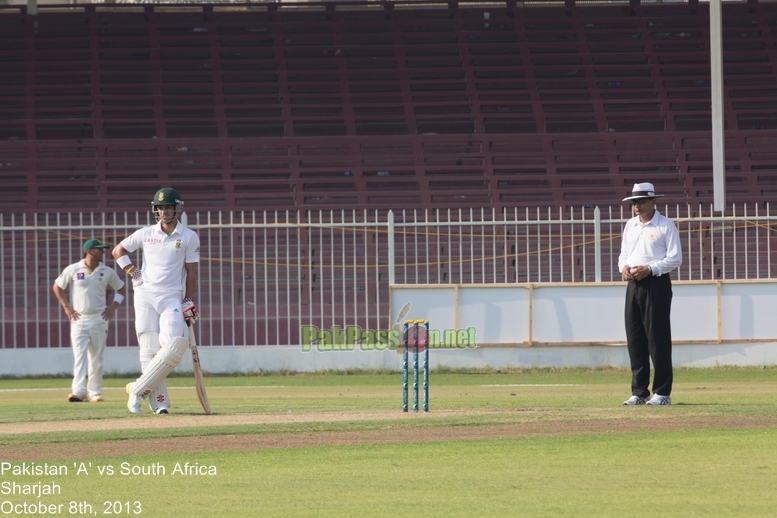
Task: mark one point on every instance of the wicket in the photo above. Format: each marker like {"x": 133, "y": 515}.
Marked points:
{"x": 412, "y": 330}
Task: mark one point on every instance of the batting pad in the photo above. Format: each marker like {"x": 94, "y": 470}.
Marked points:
{"x": 149, "y": 347}
{"x": 160, "y": 366}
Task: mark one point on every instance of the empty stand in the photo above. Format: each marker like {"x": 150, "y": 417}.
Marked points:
{"x": 390, "y": 105}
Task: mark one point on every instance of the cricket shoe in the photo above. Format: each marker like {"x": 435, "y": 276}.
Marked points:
{"x": 636, "y": 400}
{"x": 133, "y": 403}
{"x": 659, "y": 400}
{"x": 161, "y": 411}
{"x": 76, "y": 399}
{"x": 96, "y": 399}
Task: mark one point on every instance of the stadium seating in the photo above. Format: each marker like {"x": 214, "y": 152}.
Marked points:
{"x": 379, "y": 104}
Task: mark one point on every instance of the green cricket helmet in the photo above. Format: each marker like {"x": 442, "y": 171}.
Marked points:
{"x": 167, "y": 196}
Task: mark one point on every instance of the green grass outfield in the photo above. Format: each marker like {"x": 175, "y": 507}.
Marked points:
{"x": 517, "y": 443}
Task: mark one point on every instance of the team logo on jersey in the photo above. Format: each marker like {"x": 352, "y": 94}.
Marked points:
{"x": 80, "y": 276}
{"x": 178, "y": 245}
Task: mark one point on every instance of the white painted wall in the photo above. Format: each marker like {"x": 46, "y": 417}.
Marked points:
{"x": 225, "y": 360}
{"x": 569, "y": 314}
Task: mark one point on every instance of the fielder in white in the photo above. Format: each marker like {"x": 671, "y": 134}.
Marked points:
{"x": 89, "y": 316}
{"x": 164, "y": 288}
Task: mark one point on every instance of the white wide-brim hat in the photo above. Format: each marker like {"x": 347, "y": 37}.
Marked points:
{"x": 643, "y": 190}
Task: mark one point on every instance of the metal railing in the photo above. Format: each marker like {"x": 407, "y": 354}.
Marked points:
{"x": 466, "y": 246}
{"x": 265, "y": 274}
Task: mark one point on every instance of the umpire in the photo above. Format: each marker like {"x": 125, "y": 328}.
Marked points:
{"x": 650, "y": 249}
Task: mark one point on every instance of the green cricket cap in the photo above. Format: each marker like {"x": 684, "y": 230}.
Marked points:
{"x": 94, "y": 243}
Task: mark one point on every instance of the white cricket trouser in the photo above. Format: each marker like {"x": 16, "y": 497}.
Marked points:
{"x": 157, "y": 314}
{"x": 88, "y": 336}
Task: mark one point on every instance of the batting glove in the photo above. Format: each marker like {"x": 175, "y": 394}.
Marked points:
{"x": 136, "y": 277}
{"x": 190, "y": 313}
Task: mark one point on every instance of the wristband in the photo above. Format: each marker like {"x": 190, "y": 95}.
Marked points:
{"x": 118, "y": 298}
{"x": 124, "y": 261}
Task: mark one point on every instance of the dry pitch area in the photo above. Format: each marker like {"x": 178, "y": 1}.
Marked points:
{"x": 527, "y": 423}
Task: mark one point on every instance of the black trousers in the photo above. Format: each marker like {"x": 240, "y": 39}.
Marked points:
{"x": 649, "y": 334}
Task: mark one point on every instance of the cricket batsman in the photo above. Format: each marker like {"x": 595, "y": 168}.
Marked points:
{"x": 164, "y": 287}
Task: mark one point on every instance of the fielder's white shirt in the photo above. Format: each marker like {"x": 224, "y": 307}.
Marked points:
{"x": 89, "y": 288}
{"x": 655, "y": 243}
{"x": 164, "y": 256}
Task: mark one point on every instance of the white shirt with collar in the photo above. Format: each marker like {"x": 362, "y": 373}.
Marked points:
{"x": 164, "y": 256}
{"x": 655, "y": 243}
{"x": 87, "y": 295}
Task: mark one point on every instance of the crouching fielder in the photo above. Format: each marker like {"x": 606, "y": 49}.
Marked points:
{"x": 164, "y": 288}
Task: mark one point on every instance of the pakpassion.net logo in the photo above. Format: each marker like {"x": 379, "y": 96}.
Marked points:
{"x": 349, "y": 338}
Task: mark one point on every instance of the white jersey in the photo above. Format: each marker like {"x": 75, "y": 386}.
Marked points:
{"x": 89, "y": 288}
{"x": 655, "y": 244}
{"x": 164, "y": 256}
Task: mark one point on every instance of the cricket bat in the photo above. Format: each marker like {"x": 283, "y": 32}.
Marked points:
{"x": 198, "y": 381}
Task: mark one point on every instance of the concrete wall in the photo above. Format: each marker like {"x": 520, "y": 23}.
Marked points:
{"x": 564, "y": 314}
{"x": 224, "y": 360}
